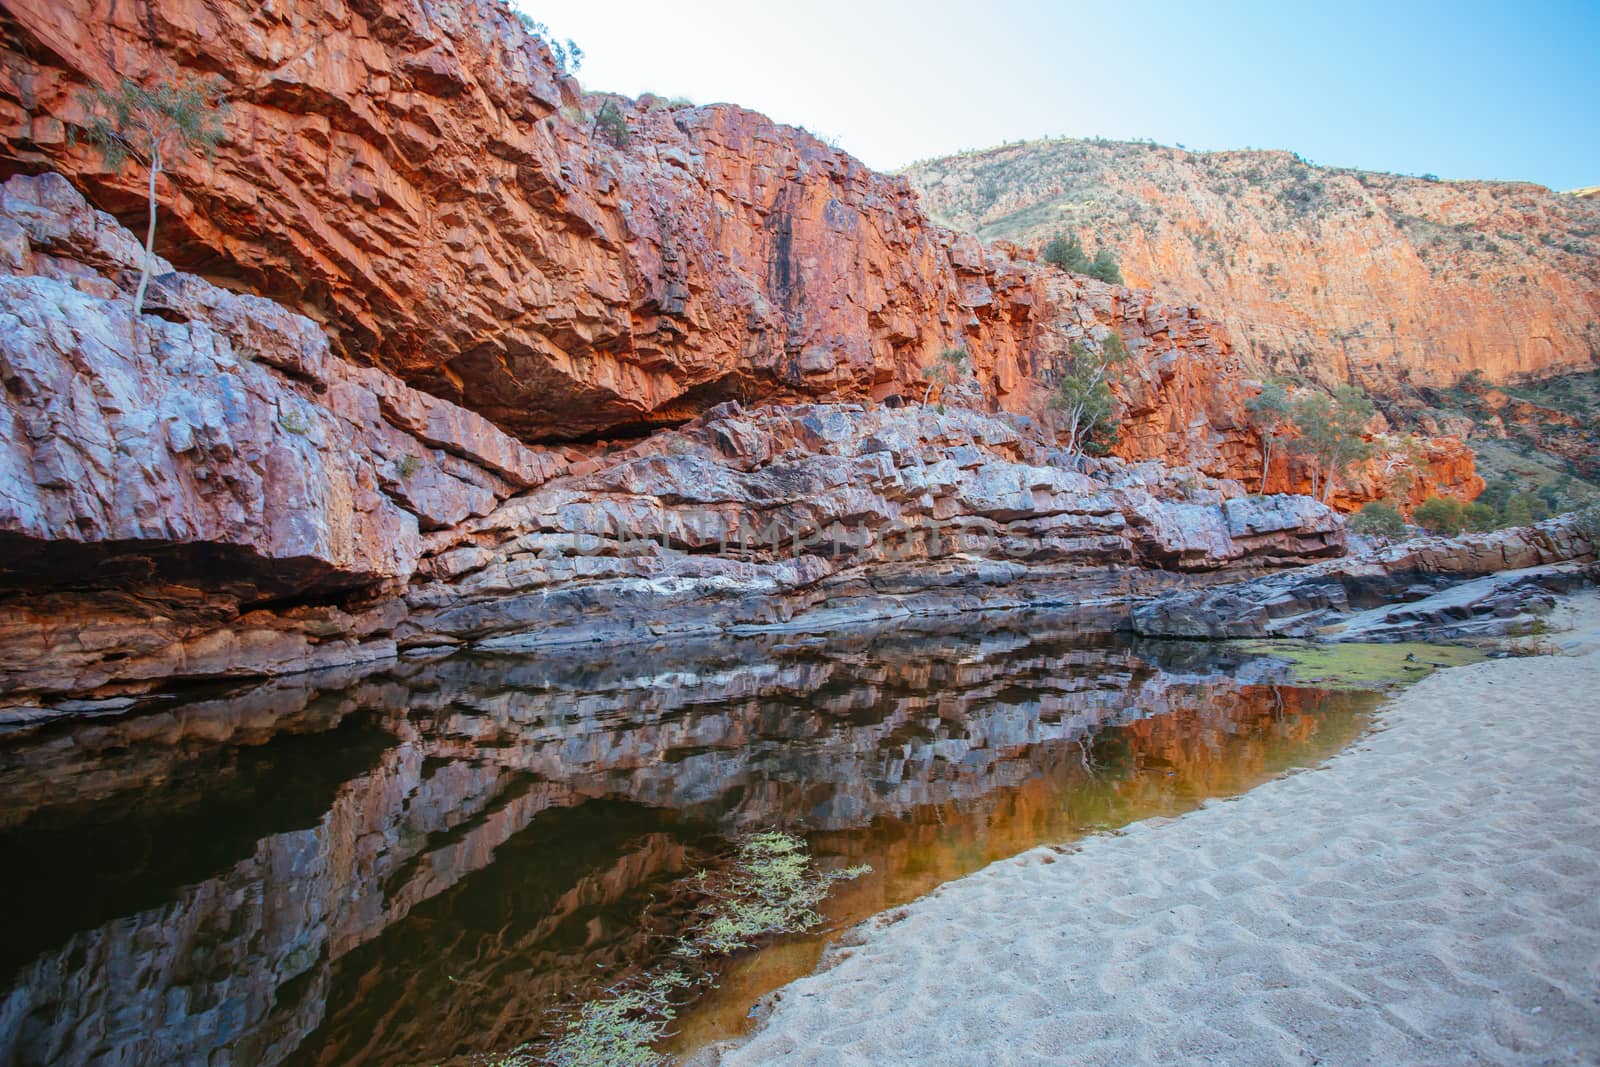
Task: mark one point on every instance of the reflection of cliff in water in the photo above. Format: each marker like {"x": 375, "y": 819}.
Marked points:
{"x": 423, "y": 861}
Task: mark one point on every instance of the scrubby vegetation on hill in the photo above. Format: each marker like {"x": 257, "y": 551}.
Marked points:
{"x": 1502, "y": 276}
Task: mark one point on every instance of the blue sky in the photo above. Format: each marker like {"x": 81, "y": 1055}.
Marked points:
{"x": 1464, "y": 90}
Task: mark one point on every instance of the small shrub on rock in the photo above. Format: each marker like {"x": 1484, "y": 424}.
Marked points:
{"x": 611, "y": 123}
{"x": 1440, "y": 515}
{"x": 1480, "y": 517}
{"x": 1381, "y": 520}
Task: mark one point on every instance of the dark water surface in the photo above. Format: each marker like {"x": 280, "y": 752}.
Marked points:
{"x": 435, "y": 859}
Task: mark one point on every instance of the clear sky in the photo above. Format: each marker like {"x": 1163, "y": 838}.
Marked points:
{"x": 1461, "y": 90}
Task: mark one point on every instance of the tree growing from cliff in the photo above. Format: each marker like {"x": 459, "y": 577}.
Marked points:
{"x": 1066, "y": 252}
{"x": 1083, "y": 402}
{"x": 154, "y": 128}
{"x": 1331, "y": 434}
{"x": 953, "y": 365}
{"x": 611, "y": 122}
{"x": 567, "y": 54}
{"x": 1104, "y": 267}
{"x": 1271, "y": 414}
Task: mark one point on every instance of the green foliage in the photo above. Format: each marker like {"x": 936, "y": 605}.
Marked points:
{"x": 1496, "y": 492}
{"x": 1083, "y": 402}
{"x": 1104, "y": 267}
{"x": 153, "y": 127}
{"x": 406, "y": 466}
{"x": 613, "y": 124}
{"x": 1331, "y": 434}
{"x": 1378, "y": 519}
{"x": 1440, "y": 515}
{"x": 568, "y": 56}
{"x": 1588, "y": 525}
{"x": 1523, "y": 509}
{"x": 1502, "y": 503}
{"x": 1480, "y": 517}
{"x": 621, "y": 1030}
{"x": 770, "y": 890}
{"x": 953, "y": 365}
{"x": 1271, "y": 413}
{"x": 1066, "y": 252}
{"x": 1360, "y": 666}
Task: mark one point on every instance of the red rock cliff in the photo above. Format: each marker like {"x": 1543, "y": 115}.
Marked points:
{"x": 422, "y": 180}
{"x": 1331, "y": 274}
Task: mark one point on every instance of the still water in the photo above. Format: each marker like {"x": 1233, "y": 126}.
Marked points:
{"x": 438, "y": 858}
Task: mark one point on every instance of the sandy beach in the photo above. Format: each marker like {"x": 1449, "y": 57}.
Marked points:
{"x": 1431, "y": 895}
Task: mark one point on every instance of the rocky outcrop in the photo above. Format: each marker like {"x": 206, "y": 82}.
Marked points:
{"x": 219, "y": 494}
{"x": 421, "y": 180}
{"x": 1403, "y": 470}
{"x": 1399, "y": 586}
{"x": 1323, "y": 273}
{"x": 219, "y": 426}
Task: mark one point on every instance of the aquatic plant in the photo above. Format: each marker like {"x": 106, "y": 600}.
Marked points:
{"x": 770, "y": 888}
{"x": 621, "y": 1028}
{"x": 1361, "y": 665}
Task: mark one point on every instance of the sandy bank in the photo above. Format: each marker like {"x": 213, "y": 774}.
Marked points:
{"x": 1430, "y": 896}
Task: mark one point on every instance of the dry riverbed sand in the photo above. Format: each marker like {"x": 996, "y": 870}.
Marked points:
{"x": 1430, "y": 896}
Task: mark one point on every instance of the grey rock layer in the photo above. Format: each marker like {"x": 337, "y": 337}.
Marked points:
{"x": 1399, "y": 592}
{"x": 208, "y": 491}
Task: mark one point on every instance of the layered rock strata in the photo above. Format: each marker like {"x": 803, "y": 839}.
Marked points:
{"x": 422, "y": 180}
{"x": 1394, "y": 592}
{"x": 208, "y": 490}
{"x": 1325, "y": 273}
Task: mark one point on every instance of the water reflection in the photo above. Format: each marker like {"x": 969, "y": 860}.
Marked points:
{"x": 425, "y": 861}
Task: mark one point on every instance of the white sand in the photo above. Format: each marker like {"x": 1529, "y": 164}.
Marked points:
{"x": 1430, "y": 896}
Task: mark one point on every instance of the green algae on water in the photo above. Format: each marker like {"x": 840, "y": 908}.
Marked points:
{"x": 1358, "y": 665}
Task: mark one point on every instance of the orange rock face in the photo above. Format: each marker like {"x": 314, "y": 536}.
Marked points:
{"x": 423, "y": 181}
{"x": 1403, "y": 474}
{"x": 1334, "y": 275}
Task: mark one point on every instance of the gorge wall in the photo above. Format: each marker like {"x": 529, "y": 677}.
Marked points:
{"x": 423, "y": 181}
{"x": 387, "y": 392}
{"x": 1332, "y": 275}
{"x": 207, "y": 490}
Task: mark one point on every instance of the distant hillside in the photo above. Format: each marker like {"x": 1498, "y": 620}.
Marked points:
{"x": 1324, "y": 273}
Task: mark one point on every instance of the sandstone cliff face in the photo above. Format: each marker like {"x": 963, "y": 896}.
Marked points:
{"x": 220, "y": 422}
{"x": 1333, "y": 275}
{"x": 209, "y": 491}
{"x": 420, "y": 178}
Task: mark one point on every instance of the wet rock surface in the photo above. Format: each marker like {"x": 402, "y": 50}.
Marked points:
{"x": 1431, "y": 587}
